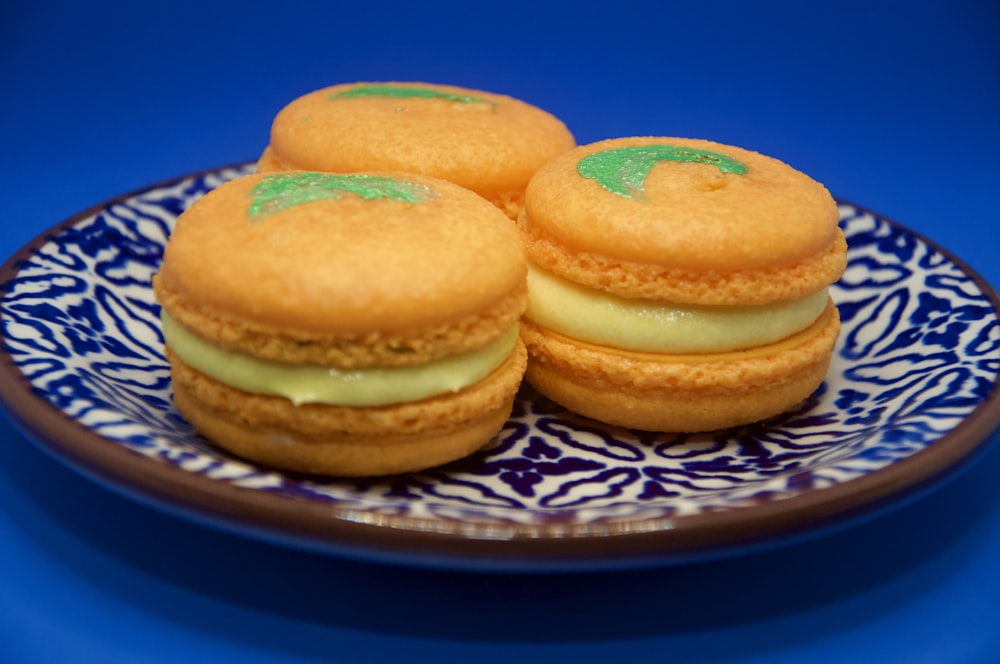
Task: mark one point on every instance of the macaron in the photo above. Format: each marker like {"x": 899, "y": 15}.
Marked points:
{"x": 344, "y": 324}
{"x": 678, "y": 285}
{"x": 487, "y": 142}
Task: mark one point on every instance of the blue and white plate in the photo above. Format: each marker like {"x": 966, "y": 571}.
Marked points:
{"x": 910, "y": 397}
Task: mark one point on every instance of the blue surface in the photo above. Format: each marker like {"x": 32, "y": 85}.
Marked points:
{"x": 891, "y": 104}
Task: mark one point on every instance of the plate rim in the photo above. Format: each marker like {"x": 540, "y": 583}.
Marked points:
{"x": 326, "y": 528}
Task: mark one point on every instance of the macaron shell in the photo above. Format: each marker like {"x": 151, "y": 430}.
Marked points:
{"x": 347, "y": 265}
{"x": 492, "y": 145}
{"x": 693, "y": 216}
{"x": 680, "y": 393}
{"x": 268, "y": 163}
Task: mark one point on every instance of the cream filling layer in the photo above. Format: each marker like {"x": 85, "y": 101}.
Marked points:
{"x": 597, "y": 317}
{"x": 303, "y": 384}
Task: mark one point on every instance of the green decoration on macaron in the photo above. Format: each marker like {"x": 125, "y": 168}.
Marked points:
{"x": 404, "y": 92}
{"x": 623, "y": 171}
{"x": 280, "y": 191}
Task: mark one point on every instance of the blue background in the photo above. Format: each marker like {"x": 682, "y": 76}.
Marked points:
{"x": 893, "y": 105}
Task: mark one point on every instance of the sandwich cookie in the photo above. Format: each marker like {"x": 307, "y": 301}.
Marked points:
{"x": 353, "y": 324}
{"x": 678, "y": 285}
{"x": 489, "y": 143}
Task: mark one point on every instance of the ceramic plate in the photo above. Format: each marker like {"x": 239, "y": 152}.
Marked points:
{"x": 910, "y": 397}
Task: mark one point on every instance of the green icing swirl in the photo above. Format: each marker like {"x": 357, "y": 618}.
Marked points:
{"x": 623, "y": 171}
{"x": 280, "y": 191}
{"x": 403, "y": 92}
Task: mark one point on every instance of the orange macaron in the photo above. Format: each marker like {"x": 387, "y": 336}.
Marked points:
{"x": 678, "y": 284}
{"x": 487, "y": 142}
{"x": 354, "y": 324}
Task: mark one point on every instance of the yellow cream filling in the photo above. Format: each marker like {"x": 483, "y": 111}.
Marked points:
{"x": 319, "y": 384}
{"x": 601, "y": 318}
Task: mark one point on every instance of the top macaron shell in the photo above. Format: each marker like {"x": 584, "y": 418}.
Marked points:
{"x": 343, "y": 264}
{"x": 487, "y": 142}
{"x": 681, "y": 220}
{"x": 693, "y": 215}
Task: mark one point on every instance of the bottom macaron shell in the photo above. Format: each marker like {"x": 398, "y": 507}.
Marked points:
{"x": 346, "y": 441}
{"x": 680, "y": 393}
